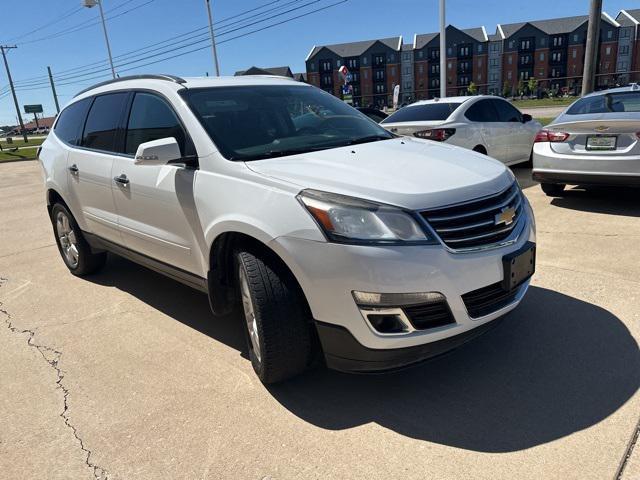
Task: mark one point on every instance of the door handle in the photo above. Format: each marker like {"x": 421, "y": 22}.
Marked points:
{"x": 122, "y": 179}
{"x": 73, "y": 169}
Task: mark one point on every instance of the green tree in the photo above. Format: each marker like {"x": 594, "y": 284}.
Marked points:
{"x": 532, "y": 85}
{"x": 506, "y": 88}
{"x": 472, "y": 89}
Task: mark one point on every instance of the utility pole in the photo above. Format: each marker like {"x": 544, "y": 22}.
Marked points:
{"x": 13, "y": 90}
{"x": 443, "y": 52}
{"x": 53, "y": 90}
{"x": 93, "y": 3}
{"x": 213, "y": 39}
{"x": 591, "y": 50}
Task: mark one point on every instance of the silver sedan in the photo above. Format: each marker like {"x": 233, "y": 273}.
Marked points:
{"x": 595, "y": 141}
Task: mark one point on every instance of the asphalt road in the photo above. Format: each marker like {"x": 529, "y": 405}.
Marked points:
{"x": 124, "y": 375}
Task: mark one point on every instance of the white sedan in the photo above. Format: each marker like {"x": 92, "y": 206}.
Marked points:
{"x": 486, "y": 124}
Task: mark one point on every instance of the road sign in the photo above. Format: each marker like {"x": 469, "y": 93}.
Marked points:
{"x": 349, "y": 77}
{"x": 33, "y": 109}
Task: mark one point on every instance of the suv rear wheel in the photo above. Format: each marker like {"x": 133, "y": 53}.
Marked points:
{"x": 276, "y": 319}
{"x": 74, "y": 249}
{"x": 552, "y": 189}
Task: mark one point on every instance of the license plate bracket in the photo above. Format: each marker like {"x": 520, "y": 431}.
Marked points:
{"x": 601, "y": 142}
{"x": 519, "y": 266}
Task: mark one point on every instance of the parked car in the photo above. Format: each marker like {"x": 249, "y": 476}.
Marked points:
{"x": 485, "y": 124}
{"x": 338, "y": 240}
{"x": 373, "y": 113}
{"x": 595, "y": 141}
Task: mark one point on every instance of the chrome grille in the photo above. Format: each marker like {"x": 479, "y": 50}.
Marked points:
{"x": 477, "y": 223}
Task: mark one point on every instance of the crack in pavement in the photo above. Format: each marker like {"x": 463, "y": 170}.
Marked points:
{"x": 98, "y": 472}
{"x": 627, "y": 454}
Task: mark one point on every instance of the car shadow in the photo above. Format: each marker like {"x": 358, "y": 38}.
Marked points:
{"x": 523, "y": 175}
{"x": 608, "y": 200}
{"x": 554, "y": 366}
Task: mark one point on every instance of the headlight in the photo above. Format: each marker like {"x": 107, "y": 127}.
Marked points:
{"x": 351, "y": 220}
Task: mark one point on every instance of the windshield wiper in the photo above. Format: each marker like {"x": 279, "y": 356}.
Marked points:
{"x": 280, "y": 153}
{"x": 370, "y": 138}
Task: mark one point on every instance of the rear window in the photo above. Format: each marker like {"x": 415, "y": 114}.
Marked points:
{"x": 422, "y": 113}
{"x": 607, "y": 103}
{"x": 69, "y": 125}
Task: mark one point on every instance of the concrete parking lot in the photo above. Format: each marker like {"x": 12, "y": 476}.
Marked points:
{"x": 125, "y": 375}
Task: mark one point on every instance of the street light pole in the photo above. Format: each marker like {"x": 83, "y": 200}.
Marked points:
{"x": 93, "y": 3}
{"x": 53, "y": 90}
{"x": 13, "y": 90}
{"x": 443, "y": 52}
{"x": 213, "y": 39}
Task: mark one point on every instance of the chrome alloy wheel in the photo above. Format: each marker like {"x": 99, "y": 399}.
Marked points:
{"x": 249, "y": 313}
{"x": 68, "y": 240}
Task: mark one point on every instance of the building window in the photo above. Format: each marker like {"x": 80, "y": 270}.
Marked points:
{"x": 420, "y": 68}
{"x": 407, "y": 70}
{"x": 479, "y": 77}
{"x": 420, "y": 54}
{"x": 556, "y": 57}
{"x": 606, "y": 65}
{"x": 364, "y": 61}
{"x": 509, "y": 75}
{"x": 509, "y": 60}
{"x": 525, "y": 59}
{"x": 625, "y": 32}
{"x": 449, "y": 51}
{"x": 557, "y": 41}
{"x": 463, "y": 51}
{"x": 479, "y": 62}
{"x": 449, "y": 66}
{"x": 511, "y": 44}
{"x": 610, "y": 34}
{"x": 542, "y": 56}
{"x": 393, "y": 71}
{"x": 407, "y": 85}
{"x": 524, "y": 75}
{"x": 325, "y": 65}
{"x": 312, "y": 66}
{"x": 352, "y": 63}
{"x": 624, "y": 50}
{"x": 393, "y": 57}
{"x": 378, "y": 59}
{"x": 480, "y": 48}
{"x": 576, "y": 37}
{"x": 525, "y": 44}
{"x": 407, "y": 56}
{"x": 365, "y": 74}
{"x": 622, "y": 66}
{"x": 435, "y": 69}
{"x": 574, "y": 53}
{"x": 607, "y": 51}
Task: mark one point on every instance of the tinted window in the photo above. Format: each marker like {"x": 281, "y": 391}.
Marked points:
{"x": 507, "y": 112}
{"x": 607, "y": 103}
{"x": 417, "y": 113}
{"x": 262, "y": 121}
{"x": 482, "y": 111}
{"x": 103, "y": 120}
{"x": 69, "y": 125}
{"x": 151, "y": 118}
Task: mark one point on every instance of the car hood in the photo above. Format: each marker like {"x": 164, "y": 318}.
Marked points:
{"x": 410, "y": 173}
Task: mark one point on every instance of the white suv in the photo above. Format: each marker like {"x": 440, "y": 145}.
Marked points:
{"x": 341, "y": 242}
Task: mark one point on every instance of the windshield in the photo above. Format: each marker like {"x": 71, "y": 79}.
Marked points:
{"x": 607, "y": 103}
{"x": 423, "y": 113}
{"x": 264, "y": 121}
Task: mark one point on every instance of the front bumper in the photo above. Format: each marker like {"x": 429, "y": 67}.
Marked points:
{"x": 329, "y": 272}
{"x": 591, "y": 169}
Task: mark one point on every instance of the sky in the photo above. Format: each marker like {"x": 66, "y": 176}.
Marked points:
{"x": 63, "y": 35}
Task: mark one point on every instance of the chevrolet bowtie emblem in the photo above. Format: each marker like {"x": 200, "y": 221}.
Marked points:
{"x": 601, "y": 128}
{"x": 506, "y": 216}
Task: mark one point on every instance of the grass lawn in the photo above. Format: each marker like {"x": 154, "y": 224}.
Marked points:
{"x": 22, "y": 154}
{"x": 19, "y": 142}
{"x": 543, "y": 102}
{"x": 544, "y": 120}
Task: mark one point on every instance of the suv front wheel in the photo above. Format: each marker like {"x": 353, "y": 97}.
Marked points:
{"x": 74, "y": 249}
{"x": 276, "y": 318}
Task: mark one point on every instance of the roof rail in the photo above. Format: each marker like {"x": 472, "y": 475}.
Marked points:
{"x": 169, "y": 78}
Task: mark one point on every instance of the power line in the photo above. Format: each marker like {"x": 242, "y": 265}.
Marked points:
{"x": 66, "y": 15}
{"x": 96, "y": 73}
{"x": 43, "y": 78}
{"x": 87, "y": 23}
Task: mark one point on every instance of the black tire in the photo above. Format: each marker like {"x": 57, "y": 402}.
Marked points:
{"x": 282, "y": 319}
{"x": 480, "y": 149}
{"x": 87, "y": 261}
{"x": 552, "y": 189}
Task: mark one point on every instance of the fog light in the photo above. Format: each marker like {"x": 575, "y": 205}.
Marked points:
{"x": 386, "y": 323}
{"x": 368, "y": 299}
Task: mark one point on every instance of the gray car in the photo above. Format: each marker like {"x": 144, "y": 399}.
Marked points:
{"x": 595, "y": 141}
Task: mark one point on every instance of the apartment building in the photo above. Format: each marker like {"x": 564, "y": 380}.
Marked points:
{"x": 551, "y": 51}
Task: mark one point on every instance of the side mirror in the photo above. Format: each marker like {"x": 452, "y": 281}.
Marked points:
{"x": 158, "y": 152}
{"x": 526, "y": 118}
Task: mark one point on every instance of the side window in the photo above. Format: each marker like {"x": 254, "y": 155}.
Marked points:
{"x": 103, "y": 120}
{"x": 507, "y": 112}
{"x": 482, "y": 111}
{"x": 151, "y": 118}
{"x": 69, "y": 126}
